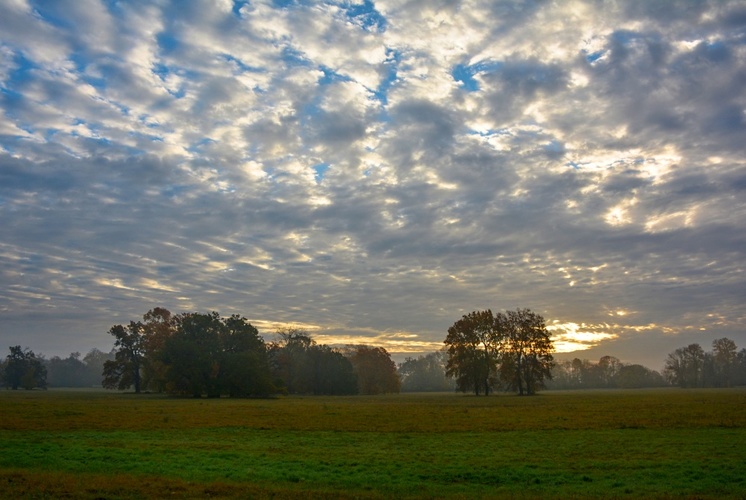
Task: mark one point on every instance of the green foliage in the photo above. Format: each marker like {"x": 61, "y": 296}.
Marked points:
{"x": 210, "y": 355}
{"x": 123, "y": 371}
{"x": 23, "y": 369}
{"x": 158, "y": 325}
{"x": 640, "y": 444}
{"x": 189, "y": 354}
{"x": 305, "y": 367}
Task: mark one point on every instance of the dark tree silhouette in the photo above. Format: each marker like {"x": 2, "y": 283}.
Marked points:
{"x": 376, "y": 372}
{"x": 526, "y": 350}
{"x": 685, "y": 366}
{"x": 305, "y": 367}
{"x": 123, "y": 371}
{"x": 472, "y": 344}
{"x": 207, "y": 355}
{"x": 514, "y": 346}
{"x": 23, "y": 369}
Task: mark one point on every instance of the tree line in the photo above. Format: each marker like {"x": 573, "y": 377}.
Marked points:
{"x": 607, "y": 373}
{"x": 691, "y": 366}
{"x": 195, "y": 354}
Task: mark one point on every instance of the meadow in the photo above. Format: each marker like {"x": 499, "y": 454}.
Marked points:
{"x": 662, "y": 443}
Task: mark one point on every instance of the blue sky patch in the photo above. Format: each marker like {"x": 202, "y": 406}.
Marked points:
{"x": 167, "y": 42}
{"x": 320, "y": 169}
{"x": 367, "y": 16}
{"x": 465, "y": 75}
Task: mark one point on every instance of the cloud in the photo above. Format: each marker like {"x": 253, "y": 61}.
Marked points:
{"x": 374, "y": 170}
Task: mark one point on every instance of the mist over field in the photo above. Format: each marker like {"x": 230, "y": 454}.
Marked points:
{"x": 371, "y": 171}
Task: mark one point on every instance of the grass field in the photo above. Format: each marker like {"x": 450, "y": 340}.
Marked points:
{"x": 667, "y": 443}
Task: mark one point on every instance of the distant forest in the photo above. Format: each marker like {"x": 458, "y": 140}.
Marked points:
{"x": 197, "y": 355}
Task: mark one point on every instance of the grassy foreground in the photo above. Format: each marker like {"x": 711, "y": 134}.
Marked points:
{"x": 627, "y": 444}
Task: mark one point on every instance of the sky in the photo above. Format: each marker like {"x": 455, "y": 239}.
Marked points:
{"x": 370, "y": 171}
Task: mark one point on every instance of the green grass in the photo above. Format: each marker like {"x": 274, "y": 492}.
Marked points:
{"x": 626, "y": 444}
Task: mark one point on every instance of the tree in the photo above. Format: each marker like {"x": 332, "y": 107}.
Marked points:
{"x": 425, "y": 373}
{"x": 71, "y": 372}
{"x": 244, "y": 365}
{"x": 526, "y": 350}
{"x": 290, "y": 360}
{"x": 725, "y": 357}
{"x": 192, "y": 354}
{"x": 210, "y": 355}
{"x": 137, "y": 347}
{"x": 332, "y": 372}
{"x": 685, "y": 366}
{"x": 609, "y": 368}
{"x": 375, "y": 371}
{"x": 472, "y": 345}
{"x": 304, "y": 367}
{"x": 95, "y": 360}
{"x": 740, "y": 376}
{"x": 23, "y": 369}
{"x": 123, "y": 371}
{"x": 638, "y": 376}
{"x": 562, "y": 376}
{"x": 158, "y": 326}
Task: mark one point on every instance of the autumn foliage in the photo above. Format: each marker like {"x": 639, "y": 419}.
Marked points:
{"x": 196, "y": 354}
{"x": 512, "y": 349}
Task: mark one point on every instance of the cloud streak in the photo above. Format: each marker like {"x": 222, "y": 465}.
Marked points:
{"x": 373, "y": 170}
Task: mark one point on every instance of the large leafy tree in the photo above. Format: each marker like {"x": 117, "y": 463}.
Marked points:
{"x": 525, "y": 350}
{"x": 158, "y": 326}
{"x": 192, "y": 354}
{"x": 685, "y": 366}
{"x": 608, "y": 369}
{"x": 124, "y": 371}
{"x": 210, "y": 355}
{"x": 472, "y": 344}
{"x": 137, "y": 348}
{"x": 725, "y": 358}
{"x": 290, "y": 358}
{"x": 331, "y": 372}
{"x": 302, "y": 366}
{"x": 244, "y": 369}
{"x": 513, "y": 347}
{"x": 22, "y": 368}
{"x": 375, "y": 370}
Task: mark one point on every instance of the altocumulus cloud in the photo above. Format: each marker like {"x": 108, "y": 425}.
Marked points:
{"x": 371, "y": 171}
